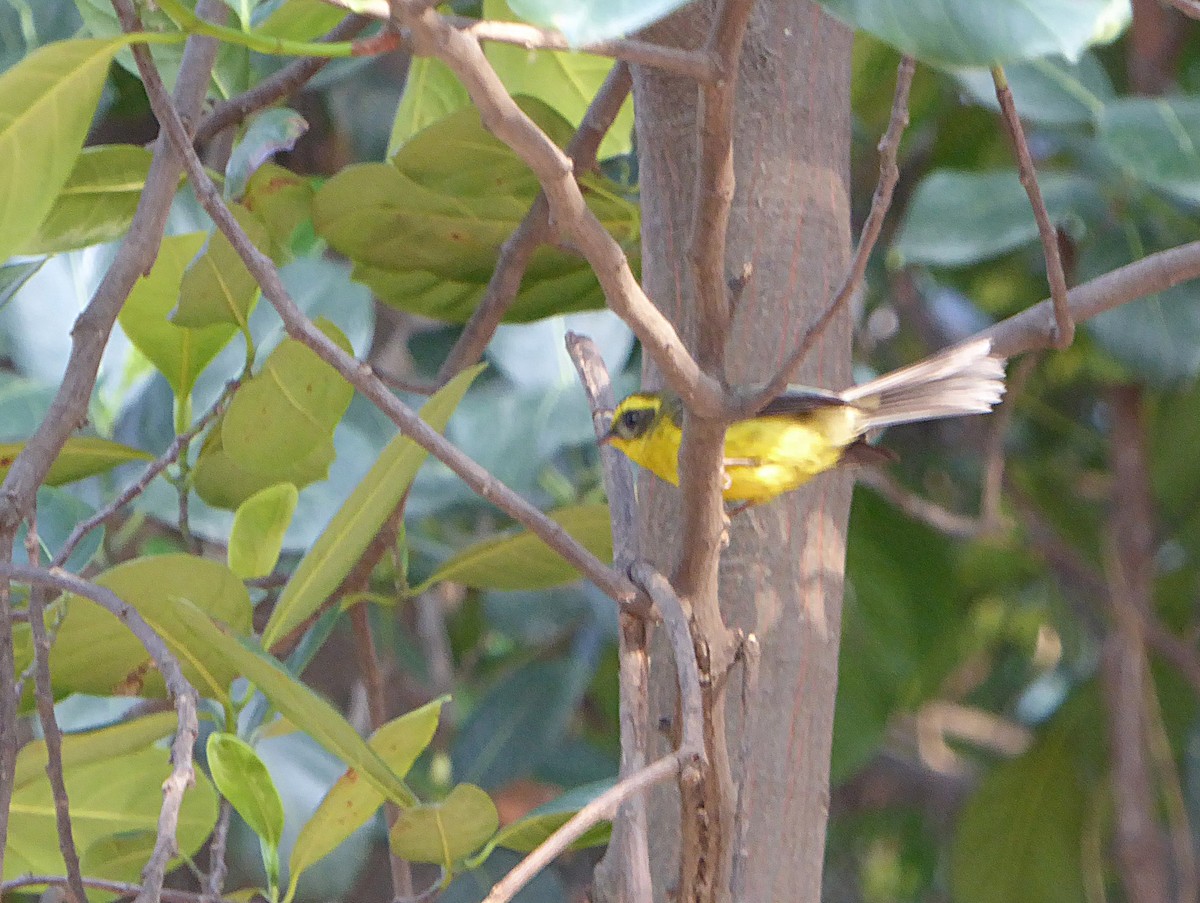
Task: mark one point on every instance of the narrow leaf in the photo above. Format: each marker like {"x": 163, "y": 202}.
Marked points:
{"x": 360, "y": 517}
{"x": 243, "y": 779}
{"x": 80, "y": 458}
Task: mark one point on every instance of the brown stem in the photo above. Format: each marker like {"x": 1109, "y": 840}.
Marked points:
{"x": 1064, "y": 325}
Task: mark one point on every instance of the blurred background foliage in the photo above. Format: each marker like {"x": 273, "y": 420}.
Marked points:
{"x": 970, "y": 754}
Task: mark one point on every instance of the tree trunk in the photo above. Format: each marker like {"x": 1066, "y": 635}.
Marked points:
{"x": 781, "y": 576}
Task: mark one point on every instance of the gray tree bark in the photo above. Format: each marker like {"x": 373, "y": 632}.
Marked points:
{"x": 781, "y": 576}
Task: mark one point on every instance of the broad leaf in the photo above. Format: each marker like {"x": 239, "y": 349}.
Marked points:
{"x": 95, "y": 653}
{"x": 282, "y": 200}
{"x": 961, "y": 218}
{"x": 179, "y": 353}
{"x": 428, "y": 238}
{"x": 528, "y": 832}
{"x": 984, "y": 32}
{"x": 94, "y": 746}
{"x": 46, "y": 105}
{"x": 80, "y": 458}
{"x": 113, "y": 797}
{"x": 522, "y": 561}
{"x": 268, "y": 133}
{"x": 431, "y": 93}
{"x": 361, "y": 517}
{"x": 217, "y": 287}
{"x": 97, "y": 202}
{"x": 1050, "y": 90}
{"x": 1156, "y": 140}
{"x": 446, "y": 832}
{"x": 585, "y": 22}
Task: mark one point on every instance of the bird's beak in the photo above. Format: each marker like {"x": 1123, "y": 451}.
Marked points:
{"x": 609, "y": 435}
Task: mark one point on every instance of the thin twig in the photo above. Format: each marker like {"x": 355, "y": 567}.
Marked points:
{"x": 44, "y": 693}
{"x": 627, "y": 862}
{"x": 287, "y": 81}
{"x": 881, "y": 202}
{"x": 689, "y": 63}
{"x": 182, "y": 693}
{"x": 153, "y": 469}
{"x": 1190, "y": 8}
{"x": 751, "y": 655}
{"x": 359, "y": 374}
{"x": 372, "y": 675}
{"x": 217, "y": 866}
{"x": 602, "y": 808}
{"x": 1055, "y": 275}
{"x": 534, "y": 230}
{"x": 120, "y": 888}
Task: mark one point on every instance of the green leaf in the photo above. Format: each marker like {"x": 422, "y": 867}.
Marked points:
{"x": 223, "y": 482}
{"x": 268, "y": 132}
{"x": 304, "y": 708}
{"x": 565, "y": 81}
{"x": 282, "y": 200}
{"x": 585, "y": 22}
{"x": 243, "y": 779}
{"x": 95, "y": 653}
{"x": 114, "y": 797}
{"x": 59, "y": 511}
{"x": 97, "y": 202}
{"x": 1020, "y": 836}
{"x": 425, "y": 231}
{"x": 301, "y": 20}
{"x": 217, "y": 287}
{"x": 1156, "y": 140}
{"x": 446, "y": 832}
{"x": 1050, "y": 90}
{"x": 15, "y": 275}
{"x": 46, "y": 105}
{"x": 351, "y": 802}
{"x": 984, "y": 32}
{"x": 431, "y": 93}
{"x": 179, "y": 353}
{"x": 521, "y": 560}
{"x": 289, "y": 409}
{"x": 361, "y": 517}
{"x": 80, "y": 458}
{"x": 258, "y": 529}
{"x": 960, "y": 218}
{"x": 529, "y": 832}
{"x": 94, "y": 746}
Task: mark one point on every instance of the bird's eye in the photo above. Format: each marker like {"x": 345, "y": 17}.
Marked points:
{"x": 630, "y": 421}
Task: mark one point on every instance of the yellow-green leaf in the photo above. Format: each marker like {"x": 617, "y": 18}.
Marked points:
{"x": 446, "y": 832}
{"x": 258, "y": 530}
{"x": 46, "y": 105}
{"x": 243, "y": 779}
{"x": 520, "y": 560}
{"x": 217, "y": 287}
{"x": 81, "y": 457}
{"x": 180, "y": 354}
{"x": 351, "y": 801}
{"x": 361, "y": 516}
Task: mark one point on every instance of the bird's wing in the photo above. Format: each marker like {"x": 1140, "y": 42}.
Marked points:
{"x": 799, "y": 400}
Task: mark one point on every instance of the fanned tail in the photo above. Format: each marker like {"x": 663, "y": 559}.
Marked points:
{"x": 966, "y": 379}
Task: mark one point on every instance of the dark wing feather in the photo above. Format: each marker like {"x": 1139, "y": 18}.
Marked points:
{"x": 796, "y": 402}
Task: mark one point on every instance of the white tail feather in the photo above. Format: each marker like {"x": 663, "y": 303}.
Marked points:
{"x": 965, "y": 379}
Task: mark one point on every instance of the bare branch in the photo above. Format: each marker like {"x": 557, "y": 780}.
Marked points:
{"x": 434, "y": 36}
{"x": 751, "y": 656}
{"x": 602, "y": 808}
{"x": 120, "y": 888}
{"x": 44, "y": 694}
{"x": 881, "y": 202}
{"x": 1063, "y": 324}
{"x": 217, "y": 866}
{"x": 153, "y": 469}
{"x": 1190, "y": 8}
{"x": 182, "y": 692}
{"x": 534, "y": 229}
{"x": 287, "y": 81}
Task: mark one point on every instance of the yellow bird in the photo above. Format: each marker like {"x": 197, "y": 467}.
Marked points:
{"x": 806, "y": 431}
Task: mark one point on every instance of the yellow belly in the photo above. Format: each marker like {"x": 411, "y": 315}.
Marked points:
{"x": 763, "y": 456}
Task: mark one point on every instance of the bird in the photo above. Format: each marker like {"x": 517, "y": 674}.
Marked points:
{"x": 806, "y": 431}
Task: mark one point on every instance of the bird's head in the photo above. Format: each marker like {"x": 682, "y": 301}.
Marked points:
{"x": 633, "y": 420}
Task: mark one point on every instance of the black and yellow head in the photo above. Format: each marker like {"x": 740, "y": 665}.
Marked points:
{"x": 634, "y": 417}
